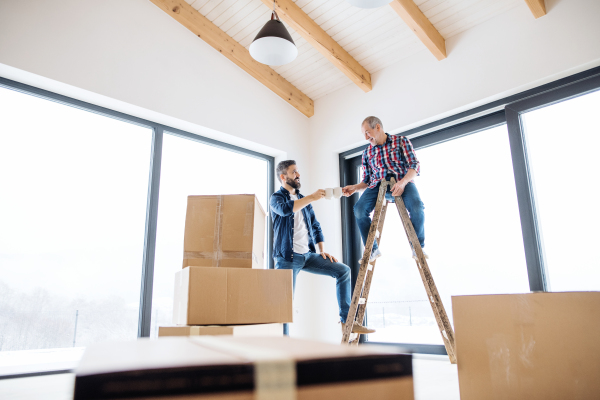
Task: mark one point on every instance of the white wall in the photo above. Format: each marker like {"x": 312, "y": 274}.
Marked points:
{"x": 506, "y": 55}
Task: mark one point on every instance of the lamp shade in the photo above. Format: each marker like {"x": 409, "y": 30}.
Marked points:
{"x": 368, "y": 3}
{"x": 273, "y": 45}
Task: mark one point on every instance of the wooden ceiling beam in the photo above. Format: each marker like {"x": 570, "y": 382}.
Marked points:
{"x": 537, "y": 7}
{"x": 186, "y": 15}
{"x": 291, "y": 14}
{"x": 420, "y": 25}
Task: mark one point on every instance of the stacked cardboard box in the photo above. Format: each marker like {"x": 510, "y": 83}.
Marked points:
{"x": 225, "y": 231}
{"x": 223, "y": 281}
{"x": 231, "y": 368}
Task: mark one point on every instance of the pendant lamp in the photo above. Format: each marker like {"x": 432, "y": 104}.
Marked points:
{"x": 368, "y": 3}
{"x": 273, "y": 44}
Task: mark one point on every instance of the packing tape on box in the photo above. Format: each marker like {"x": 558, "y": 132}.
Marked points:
{"x": 240, "y": 255}
{"x": 249, "y": 220}
{"x": 216, "y": 261}
{"x": 274, "y": 371}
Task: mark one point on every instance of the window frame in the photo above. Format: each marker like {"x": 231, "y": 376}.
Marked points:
{"x": 507, "y": 111}
{"x": 530, "y": 223}
{"x": 158, "y": 131}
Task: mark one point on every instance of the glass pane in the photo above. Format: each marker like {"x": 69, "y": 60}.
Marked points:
{"x": 472, "y": 236}
{"x": 193, "y": 168}
{"x": 72, "y": 216}
{"x": 562, "y": 143}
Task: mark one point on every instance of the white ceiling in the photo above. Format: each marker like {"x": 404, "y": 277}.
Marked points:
{"x": 375, "y": 38}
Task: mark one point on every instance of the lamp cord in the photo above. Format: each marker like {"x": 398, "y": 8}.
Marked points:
{"x": 274, "y": 14}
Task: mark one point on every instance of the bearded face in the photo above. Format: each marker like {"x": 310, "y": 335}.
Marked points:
{"x": 291, "y": 177}
{"x": 295, "y": 182}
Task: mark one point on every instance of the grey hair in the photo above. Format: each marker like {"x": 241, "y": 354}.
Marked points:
{"x": 372, "y": 122}
{"x": 282, "y": 168}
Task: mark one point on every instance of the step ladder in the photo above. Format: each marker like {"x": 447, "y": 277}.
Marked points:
{"x": 358, "y": 306}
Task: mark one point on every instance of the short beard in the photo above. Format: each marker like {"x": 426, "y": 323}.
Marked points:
{"x": 293, "y": 183}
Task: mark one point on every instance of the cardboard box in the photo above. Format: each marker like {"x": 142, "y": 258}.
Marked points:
{"x": 224, "y": 231}
{"x": 528, "y": 346}
{"x": 232, "y": 296}
{"x": 235, "y": 330}
{"x": 230, "y": 368}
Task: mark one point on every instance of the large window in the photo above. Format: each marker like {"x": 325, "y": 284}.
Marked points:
{"x": 563, "y": 141}
{"x": 472, "y": 236}
{"x": 72, "y": 214}
{"x": 79, "y": 217}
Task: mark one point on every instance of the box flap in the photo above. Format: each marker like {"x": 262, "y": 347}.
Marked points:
{"x": 259, "y": 296}
{"x": 238, "y": 223}
{"x": 201, "y": 217}
{"x": 208, "y": 294}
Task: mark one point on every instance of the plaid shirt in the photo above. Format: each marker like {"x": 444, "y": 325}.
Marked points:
{"x": 396, "y": 156}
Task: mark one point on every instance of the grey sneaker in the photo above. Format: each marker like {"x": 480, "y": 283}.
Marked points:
{"x": 375, "y": 255}
{"x": 414, "y": 255}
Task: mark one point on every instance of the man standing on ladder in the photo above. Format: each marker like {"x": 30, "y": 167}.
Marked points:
{"x": 387, "y": 156}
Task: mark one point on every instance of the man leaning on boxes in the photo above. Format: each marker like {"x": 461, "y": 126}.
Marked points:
{"x": 296, "y": 230}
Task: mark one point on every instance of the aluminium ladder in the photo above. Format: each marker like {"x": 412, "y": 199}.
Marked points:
{"x": 358, "y": 306}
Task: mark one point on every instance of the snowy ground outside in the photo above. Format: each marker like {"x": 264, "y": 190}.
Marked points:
{"x": 407, "y": 334}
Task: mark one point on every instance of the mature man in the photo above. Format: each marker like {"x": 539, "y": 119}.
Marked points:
{"x": 387, "y": 156}
{"x": 296, "y": 230}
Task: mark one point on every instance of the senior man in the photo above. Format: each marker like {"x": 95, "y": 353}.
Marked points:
{"x": 387, "y": 156}
{"x": 296, "y": 231}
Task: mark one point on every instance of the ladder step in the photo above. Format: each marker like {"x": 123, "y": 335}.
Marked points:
{"x": 362, "y": 301}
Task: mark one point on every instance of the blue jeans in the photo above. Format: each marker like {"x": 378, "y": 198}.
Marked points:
{"x": 315, "y": 264}
{"x": 412, "y": 201}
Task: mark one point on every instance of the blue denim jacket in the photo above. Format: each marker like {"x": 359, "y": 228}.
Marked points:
{"x": 282, "y": 209}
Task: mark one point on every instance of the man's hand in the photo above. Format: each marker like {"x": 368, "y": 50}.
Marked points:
{"x": 306, "y": 200}
{"x": 327, "y": 255}
{"x": 321, "y": 246}
{"x": 398, "y": 188}
{"x": 348, "y": 191}
{"x": 351, "y": 189}
{"x": 318, "y": 195}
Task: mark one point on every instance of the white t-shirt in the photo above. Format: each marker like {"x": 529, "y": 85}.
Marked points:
{"x": 300, "y": 231}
